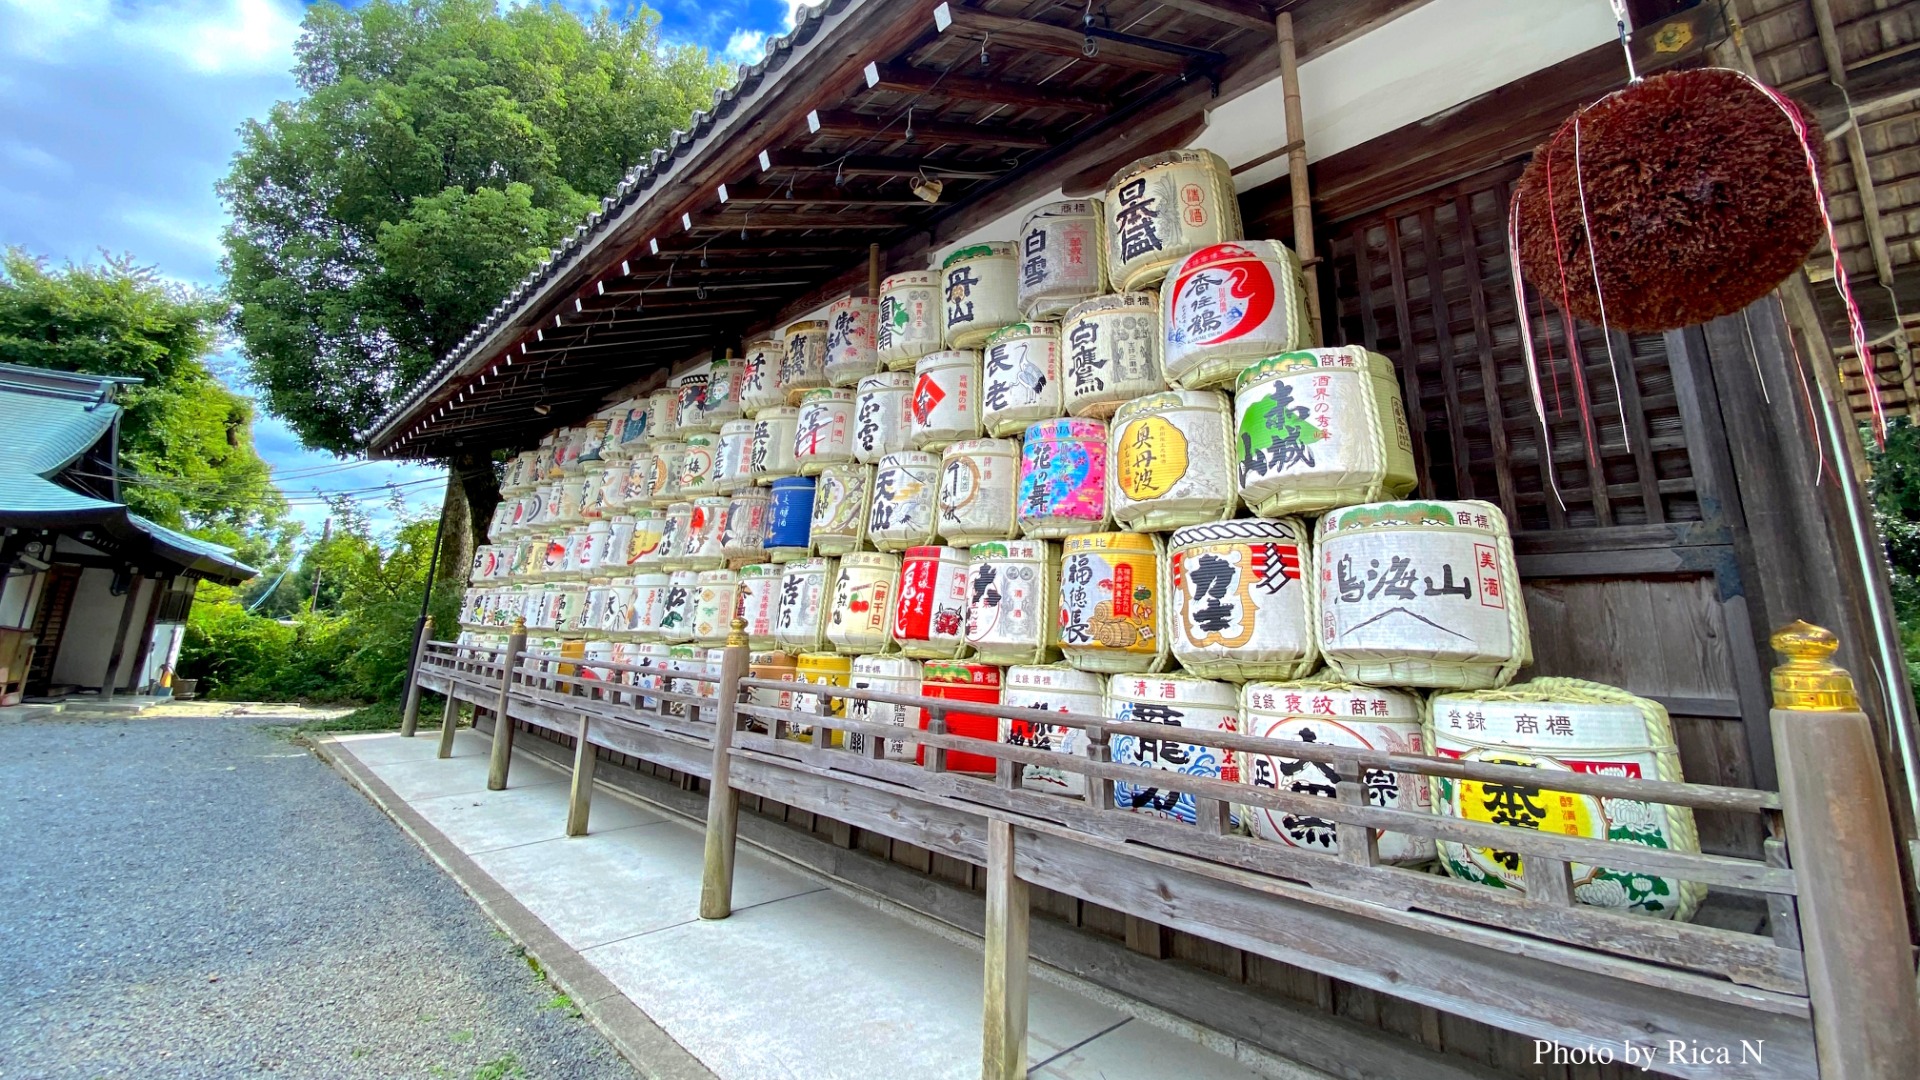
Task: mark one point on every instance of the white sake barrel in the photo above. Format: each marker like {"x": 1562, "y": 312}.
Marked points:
{"x": 744, "y": 535}
{"x": 640, "y": 479}
{"x": 1112, "y": 347}
{"x": 1113, "y": 602}
{"x": 979, "y": 487}
{"x": 1320, "y": 429}
{"x": 1164, "y": 207}
{"x": 663, "y": 409}
{"x": 1063, "y": 257}
{"x": 945, "y": 406}
{"x": 760, "y": 602}
{"x": 1225, "y": 306}
{"x": 1565, "y": 725}
{"x": 1171, "y": 461}
{"x": 696, "y": 467}
{"x": 673, "y": 536}
{"x": 594, "y": 449}
{"x": 806, "y": 592}
{"x": 594, "y": 657}
{"x": 1421, "y": 594}
{"x": 773, "y": 434}
{"x": 930, "y": 615}
{"x": 1176, "y": 701}
{"x": 620, "y": 618}
{"x": 1329, "y": 712}
{"x": 850, "y": 350}
{"x": 1021, "y": 378}
{"x": 823, "y": 430}
{"x": 703, "y": 545}
{"x": 649, "y": 529}
{"x": 906, "y": 487}
{"x": 889, "y": 675}
{"x": 569, "y": 610}
{"x": 803, "y": 364}
{"x": 573, "y": 449}
{"x": 842, "y": 501}
{"x": 732, "y": 456}
{"x": 632, "y": 427}
{"x": 551, "y": 494}
{"x": 573, "y": 491}
{"x": 1013, "y": 601}
{"x": 714, "y": 604}
{"x": 721, "y": 405}
{"x": 908, "y": 324}
{"x": 613, "y": 486}
{"x": 1055, "y": 688}
{"x": 760, "y": 375}
{"x": 676, "y": 623}
{"x": 881, "y": 423}
{"x": 1063, "y": 478}
{"x": 655, "y": 658}
{"x": 860, "y": 619}
{"x": 620, "y": 541}
{"x": 981, "y": 289}
{"x": 556, "y": 558}
{"x": 544, "y": 466}
{"x": 517, "y": 478}
{"x": 1242, "y": 609}
{"x": 592, "y": 548}
{"x": 691, "y": 385}
{"x": 600, "y": 609}
{"x": 667, "y": 459}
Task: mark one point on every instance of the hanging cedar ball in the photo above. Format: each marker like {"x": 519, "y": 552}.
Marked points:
{"x": 1696, "y": 184}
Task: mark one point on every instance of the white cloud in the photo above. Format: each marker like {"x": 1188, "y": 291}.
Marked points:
{"x": 208, "y": 37}
{"x": 745, "y": 47}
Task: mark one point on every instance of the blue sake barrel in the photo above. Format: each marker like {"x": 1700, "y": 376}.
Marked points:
{"x": 789, "y": 518}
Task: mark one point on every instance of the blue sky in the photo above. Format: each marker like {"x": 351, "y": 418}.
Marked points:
{"x": 117, "y": 117}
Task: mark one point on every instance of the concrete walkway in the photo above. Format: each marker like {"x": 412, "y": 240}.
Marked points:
{"x": 803, "y": 982}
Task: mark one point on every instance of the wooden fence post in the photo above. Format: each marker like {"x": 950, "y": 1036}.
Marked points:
{"x": 1853, "y": 921}
{"x": 411, "y": 714}
{"x": 723, "y": 803}
{"x": 503, "y": 723}
{"x": 449, "y": 721}
{"x": 1004, "y": 1053}
{"x": 580, "y": 799}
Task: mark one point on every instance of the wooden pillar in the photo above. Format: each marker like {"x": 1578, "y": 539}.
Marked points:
{"x": 1297, "y": 169}
{"x": 410, "y": 716}
{"x": 1004, "y": 1053}
{"x": 110, "y": 679}
{"x": 503, "y": 723}
{"x": 873, "y": 272}
{"x": 723, "y": 803}
{"x": 580, "y": 799}
{"x": 449, "y": 721}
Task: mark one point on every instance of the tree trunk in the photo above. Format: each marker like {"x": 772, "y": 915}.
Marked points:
{"x": 466, "y": 513}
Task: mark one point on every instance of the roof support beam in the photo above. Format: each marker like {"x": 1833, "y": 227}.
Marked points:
{"x": 1856, "y": 147}
{"x": 1043, "y": 37}
{"x": 901, "y": 79}
{"x": 857, "y": 165}
{"x": 1245, "y": 14}
{"x": 856, "y": 125}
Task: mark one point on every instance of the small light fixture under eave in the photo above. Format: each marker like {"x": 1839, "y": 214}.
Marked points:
{"x": 927, "y": 188}
{"x": 723, "y": 194}
{"x": 542, "y": 409}
{"x": 686, "y": 222}
{"x": 599, "y": 288}
{"x": 766, "y": 161}
{"x": 556, "y": 322}
{"x": 813, "y": 122}
{"x": 577, "y": 306}
{"x": 626, "y": 269}
{"x": 653, "y": 246}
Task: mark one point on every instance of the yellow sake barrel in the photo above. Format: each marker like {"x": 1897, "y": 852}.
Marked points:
{"x": 744, "y": 534}
{"x": 1063, "y": 257}
{"x": 773, "y": 666}
{"x": 880, "y": 418}
{"x": 842, "y": 501}
{"x": 1241, "y": 607}
{"x": 908, "y": 323}
{"x": 722, "y": 402}
{"x": 1180, "y": 701}
{"x": 696, "y": 467}
{"x": 760, "y": 602}
{"x": 930, "y": 616}
{"x": 676, "y": 624}
{"x": 1319, "y": 429}
{"x": 888, "y": 675}
{"x": 691, "y": 385}
{"x": 861, "y": 611}
{"x": 649, "y": 529}
{"x": 1112, "y": 346}
{"x": 714, "y": 605}
{"x": 673, "y": 536}
{"x": 663, "y": 408}
{"x": 1021, "y": 378}
{"x": 650, "y": 604}
{"x": 906, "y": 486}
{"x": 1063, "y": 478}
{"x": 760, "y": 375}
{"x": 851, "y": 355}
{"x": 803, "y": 363}
{"x": 703, "y": 545}
{"x": 1113, "y": 602}
{"x": 1565, "y": 726}
{"x": 980, "y": 284}
{"x": 823, "y": 430}
{"x": 1421, "y": 594}
{"x": 945, "y": 405}
{"x": 1171, "y": 461}
{"x": 773, "y": 434}
{"x": 820, "y": 669}
{"x": 732, "y": 456}
{"x": 1013, "y": 601}
{"x": 1164, "y": 207}
{"x": 1328, "y": 712}
{"x": 1055, "y": 688}
{"x": 979, "y": 485}
{"x": 806, "y": 593}
{"x": 667, "y": 459}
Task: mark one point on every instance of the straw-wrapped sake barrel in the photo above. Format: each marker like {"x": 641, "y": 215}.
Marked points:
{"x": 744, "y": 535}
{"x": 803, "y": 365}
{"x": 633, "y": 428}
{"x": 819, "y": 669}
{"x": 842, "y": 501}
{"x": 714, "y": 603}
{"x": 1055, "y": 688}
{"x": 676, "y": 624}
{"x": 691, "y": 385}
{"x": 790, "y": 518}
{"x": 860, "y": 616}
{"x": 641, "y": 478}
{"x": 1171, "y": 461}
{"x": 655, "y": 658}
{"x": 591, "y": 549}
{"x": 1164, "y": 207}
{"x": 733, "y": 456}
{"x": 823, "y": 430}
{"x": 760, "y": 376}
{"x": 1319, "y": 429}
{"x": 649, "y": 529}
{"x": 1241, "y": 608}
{"x": 663, "y": 410}
{"x": 1565, "y": 725}
{"x": 1113, "y": 602}
{"x": 850, "y": 349}
{"x": 981, "y": 285}
{"x": 703, "y": 545}
{"x": 1020, "y": 380}
{"x": 613, "y": 486}
{"x": 1421, "y": 594}
{"x": 961, "y": 680}
{"x": 1180, "y": 701}
{"x": 979, "y": 490}
{"x": 930, "y": 616}
{"x": 620, "y": 541}
{"x": 722, "y": 402}
{"x": 1328, "y": 712}
{"x": 1112, "y": 347}
{"x": 906, "y": 486}
{"x": 1225, "y": 306}
{"x": 945, "y": 406}
{"x": 667, "y": 459}
{"x": 881, "y": 423}
{"x": 760, "y": 602}
{"x": 908, "y": 324}
{"x": 673, "y": 536}
{"x": 696, "y": 467}
{"x": 773, "y": 437}
{"x": 806, "y": 592}
{"x": 1063, "y": 478}
{"x": 1063, "y": 257}
{"x": 774, "y": 666}
{"x": 1013, "y": 601}
{"x": 889, "y": 675}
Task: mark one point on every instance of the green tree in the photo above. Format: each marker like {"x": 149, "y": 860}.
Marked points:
{"x": 1896, "y": 503}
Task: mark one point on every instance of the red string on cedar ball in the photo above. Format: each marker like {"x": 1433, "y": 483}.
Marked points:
{"x": 1697, "y": 187}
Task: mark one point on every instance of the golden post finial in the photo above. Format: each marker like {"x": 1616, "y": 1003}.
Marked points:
{"x": 519, "y": 625}
{"x": 1809, "y": 681}
{"x": 737, "y": 633}
{"x": 428, "y": 623}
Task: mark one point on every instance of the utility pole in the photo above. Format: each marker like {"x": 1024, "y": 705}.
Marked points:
{"x": 313, "y": 601}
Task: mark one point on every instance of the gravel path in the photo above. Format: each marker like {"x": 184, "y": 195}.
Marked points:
{"x": 204, "y": 898}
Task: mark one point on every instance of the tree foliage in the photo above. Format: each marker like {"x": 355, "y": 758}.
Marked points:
{"x": 1896, "y": 504}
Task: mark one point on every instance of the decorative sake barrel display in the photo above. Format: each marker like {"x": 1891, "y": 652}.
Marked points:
{"x": 714, "y": 604}
{"x": 805, "y": 598}
{"x": 823, "y": 430}
{"x": 1225, "y": 306}
{"x": 930, "y": 618}
{"x": 908, "y": 324}
{"x": 760, "y": 375}
{"x": 663, "y": 411}
{"x": 860, "y": 619}
{"x": 1328, "y": 712}
{"x": 569, "y": 604}
{"x": 1063, "y": 478}
{"x": 673, "y": 536}
{"x": 906, "y": 486}
{"x": 1163, "y": 208}
{"x": 979, "y": 491}
{"x": 1320, "y": 429}
{"x": 649, "y": 529}
{"x": 613, "y": 486}
{"x": 960, "y": 680}
{"x": 667, "y": 458}
{"x": 773, "y": 666}
{"x": 1112, "y": 347}
{"x": 842, "y": 501}
{"x": 887, "y": 675}
{"x": 1241, "y": 608}
{"x": 572, "y": 489}
{"x": 624, "y": 593}
{"x": 773, "y": 436}
{"x": 744, "y": 535}
{"x": 551, "y": 494}
{"x": 733, "y": 456}
{"x": 851, "y": 355}
{"x": 640, "y": 478}
{"x": 1112, "y": 603}
{"x": 1421, "y": 594}
{"x": 633, "y": 429}
{"x": 1172, "y": 461}
{"x": 571, "y": 449}
{"x": 760, "y": 602}
{"x": 593, "y": 491}
{"x": 703, "y": 545}
{"x": 691, "y": 385}
{"x": 1565, "y": 725}
{"x": 880, "y": 418}
{"x": 696, "y": 467}
{"x": 676, "y": 623}
{"x": 803, "y": 363}
{"x": 656, "y": 657}
{"x": 820, "y": 669}
{"x": 789, "y": 517}
{"x": 553, "y": 558}
{"x": 544, "y": 467}
{"x": 592, "y": 549}
{"x": 486, "y": 562}
{"x": 1055, "y": 688}
{"x": 1176, "y": 701}
{"x": 595, "y": 654}
{"x": 1020, "y": 381}
{"x": 518, "y": 477}
{"x": 980, "y": 285}
{"x": 722, "y": 402}
{"x": 1063, "y": 257}
{"x": 945, "y": 404}
{"x": 595, "y": 441}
